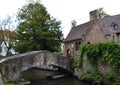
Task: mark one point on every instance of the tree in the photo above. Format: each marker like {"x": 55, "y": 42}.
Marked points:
{"x": 73, "y": 23}
{"x": 102, "y": 13}
{"x": 32, "y": 1}
{"x": 37, "y": 30}
{"x": 6, "y": 34}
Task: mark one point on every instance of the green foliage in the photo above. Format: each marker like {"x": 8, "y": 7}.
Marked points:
{"x": 102, "y": 13}
{"x": 10, "y": 84}
{"x": 76, "y": 63}
{"x": 73, "y": 23}
{"x": 114, "y": 77}
{"x": 116, "y": 80}
{"x": 93, "y": 76}
{"x": 37, "y": 30}
{"x": 109, "y": 52}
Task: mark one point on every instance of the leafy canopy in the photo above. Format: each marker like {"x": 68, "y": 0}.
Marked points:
{"x": 37, "y": 30}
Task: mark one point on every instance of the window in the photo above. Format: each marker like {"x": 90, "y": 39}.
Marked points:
{"x": 114, "y": 25}
{"x": 77, "y": 45}
{"x": 113, "y": 37}
{"x": 88, "y": 42}
{"x": 118, "y": 36}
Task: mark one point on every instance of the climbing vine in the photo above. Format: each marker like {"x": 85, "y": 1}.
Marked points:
{"x": 108, "y": 52}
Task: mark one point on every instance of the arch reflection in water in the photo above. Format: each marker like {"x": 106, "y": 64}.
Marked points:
{"x": 61, "y": 81}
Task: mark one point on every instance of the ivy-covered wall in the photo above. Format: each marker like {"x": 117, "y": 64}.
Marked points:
{"x": 99, "y": 62}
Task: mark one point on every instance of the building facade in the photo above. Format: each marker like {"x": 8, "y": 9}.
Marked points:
{"x": 95, "y": 31}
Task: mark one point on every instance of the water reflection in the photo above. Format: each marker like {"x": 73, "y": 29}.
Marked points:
{"x": 62, "y": 81}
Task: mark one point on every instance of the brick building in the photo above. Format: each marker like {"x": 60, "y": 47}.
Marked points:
{"x": 95, "y": 31}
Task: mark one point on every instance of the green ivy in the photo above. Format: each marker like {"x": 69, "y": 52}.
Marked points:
{"x": 94, "y": 76}
{"x": 109, "y": 52}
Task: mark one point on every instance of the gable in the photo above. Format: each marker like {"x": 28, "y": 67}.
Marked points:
{"x": 95, "y": 34}
{"x": 77, "y": 32}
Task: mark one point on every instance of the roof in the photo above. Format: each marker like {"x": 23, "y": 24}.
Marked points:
{"x": 78, "y": 31}
{"x": 105, "y": 24}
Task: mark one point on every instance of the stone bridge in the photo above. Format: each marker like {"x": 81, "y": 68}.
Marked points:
{"x": 12, "y": 67}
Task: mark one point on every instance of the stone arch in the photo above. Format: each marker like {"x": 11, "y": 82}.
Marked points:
{"x": 16, "y": 72}
{"x": 19, "y": 64}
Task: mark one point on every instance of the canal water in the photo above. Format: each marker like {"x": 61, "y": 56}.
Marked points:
{"x": 62, "y": 81}
{"x": 38, "y": 77}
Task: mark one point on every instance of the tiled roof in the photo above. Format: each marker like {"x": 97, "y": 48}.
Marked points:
{"x": 78, "y": 31}
{"x": 104, "y": 23}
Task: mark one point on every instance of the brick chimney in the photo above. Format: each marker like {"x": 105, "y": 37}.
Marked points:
{"x": 94, "y": 15}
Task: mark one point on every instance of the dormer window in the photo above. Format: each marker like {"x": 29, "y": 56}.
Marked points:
{"x": 114, "y": 25}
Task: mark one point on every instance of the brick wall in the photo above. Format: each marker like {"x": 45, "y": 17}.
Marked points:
{"x": 72, "y": 47}
{"x": 95, "y": 34}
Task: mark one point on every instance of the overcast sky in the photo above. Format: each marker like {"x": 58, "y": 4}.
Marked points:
{"x": 64, "y": 10}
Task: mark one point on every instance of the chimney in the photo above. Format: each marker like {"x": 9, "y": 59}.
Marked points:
{"x": 94, "y": 15}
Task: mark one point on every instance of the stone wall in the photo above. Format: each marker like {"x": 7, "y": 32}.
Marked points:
{"x": 72, "y": 47}
{"x": 86, "y": 69}
{"x": 95, "y": 34}
{"x": 11, "y": 67}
